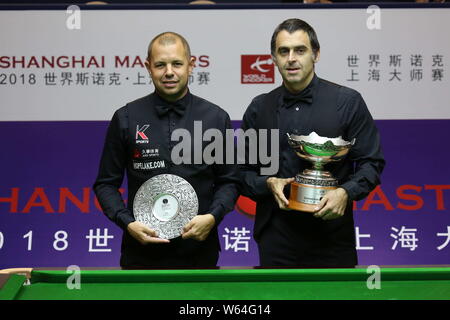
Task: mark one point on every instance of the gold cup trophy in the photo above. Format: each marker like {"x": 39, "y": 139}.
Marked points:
{"x": 312, "y": 184}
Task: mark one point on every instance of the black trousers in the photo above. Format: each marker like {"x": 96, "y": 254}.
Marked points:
{"x": 297, "y": 239}
{"x": 178, "y": 253}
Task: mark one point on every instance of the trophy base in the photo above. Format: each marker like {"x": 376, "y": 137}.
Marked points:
{"x": 300, "y": 206}
{"x": 305, "y": 197}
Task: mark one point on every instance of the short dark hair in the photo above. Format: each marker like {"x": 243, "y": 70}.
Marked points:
{"x": 292, "y": 25}
{"x": 166, "y": 38}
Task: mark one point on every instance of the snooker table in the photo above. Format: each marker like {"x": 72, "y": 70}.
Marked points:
{"x": 398, "y": 283}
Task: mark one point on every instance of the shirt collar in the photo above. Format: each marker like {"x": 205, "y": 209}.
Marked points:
{"x": 179, "y": 107}
{"x": 289, "y": 99}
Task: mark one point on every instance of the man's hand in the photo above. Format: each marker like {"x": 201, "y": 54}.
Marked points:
{"x": 144, "y": 234}
{"x": 276, "y": 185}
{"x": 332, "y": 205}
{"x": 199, "y": 227}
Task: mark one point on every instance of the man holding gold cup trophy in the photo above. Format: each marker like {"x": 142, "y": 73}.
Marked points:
{"x": 329, "y": 155}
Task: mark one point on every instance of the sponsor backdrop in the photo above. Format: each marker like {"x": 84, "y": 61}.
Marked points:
{"x": 64, "y": 73}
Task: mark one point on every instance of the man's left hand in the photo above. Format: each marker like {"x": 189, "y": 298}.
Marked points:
{"x": 199, "y": 227}
{"x": 332, "y": 205}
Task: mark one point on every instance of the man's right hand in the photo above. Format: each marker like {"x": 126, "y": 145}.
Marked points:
{"x": 276, "y": 185}
{"x": 144, "y": 234}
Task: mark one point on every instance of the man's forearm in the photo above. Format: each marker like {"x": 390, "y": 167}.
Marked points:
{"x": 112, "y": 204}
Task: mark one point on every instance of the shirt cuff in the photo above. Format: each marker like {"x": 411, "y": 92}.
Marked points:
{"x": 124, "y": 218}
{"x": 262, "y": 189}
{"x": 351, "y": 188}
{"x": 218, "y": 214}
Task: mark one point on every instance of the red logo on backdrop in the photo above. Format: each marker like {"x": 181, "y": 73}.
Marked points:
{"x": 257, "y": 68}
{"x": 246, "y": 206}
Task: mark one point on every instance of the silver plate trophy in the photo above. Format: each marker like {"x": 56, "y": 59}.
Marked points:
{"x": 165, "y": 203}
{"x": 312, "y": 184}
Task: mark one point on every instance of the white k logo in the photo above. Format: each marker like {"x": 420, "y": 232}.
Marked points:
{"x": 140, "y": 132}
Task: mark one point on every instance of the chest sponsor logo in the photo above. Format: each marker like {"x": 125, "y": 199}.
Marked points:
{"x": 146, "y": 153}
{"x": 141, "y": 137}
{"x": 149, "y": 165}
{"x": 257, "y": 69}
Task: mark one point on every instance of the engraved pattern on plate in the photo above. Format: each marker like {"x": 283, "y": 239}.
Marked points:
{"x": 180, "y": 196}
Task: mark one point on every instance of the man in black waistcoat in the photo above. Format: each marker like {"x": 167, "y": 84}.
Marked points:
{"x": 139, "y": 142}
{"x": 305, "y": 103}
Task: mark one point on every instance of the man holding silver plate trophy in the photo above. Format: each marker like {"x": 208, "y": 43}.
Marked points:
{"x": 329, "y": 156}
{"x": 175, "y": 200}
